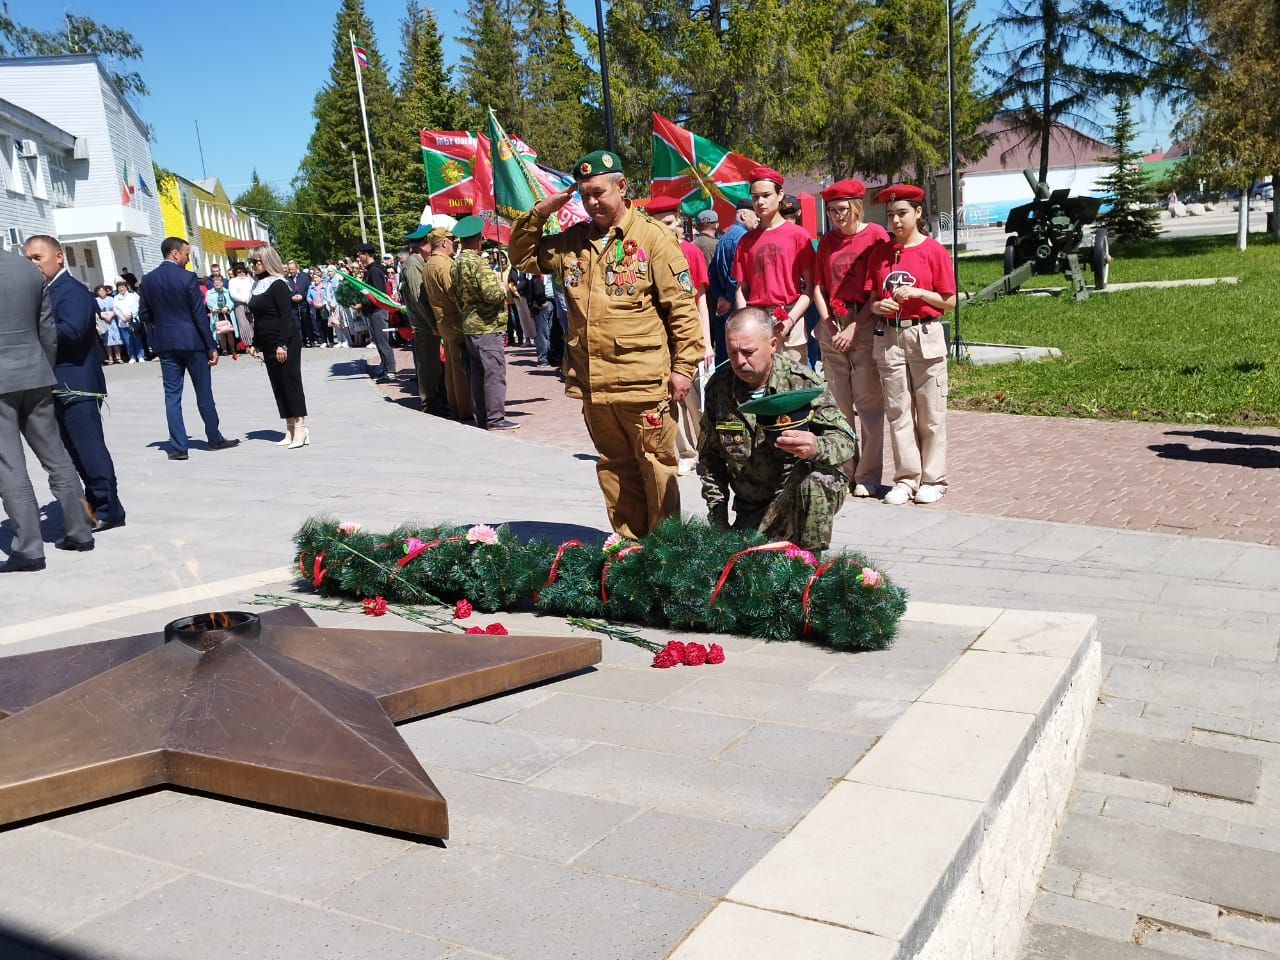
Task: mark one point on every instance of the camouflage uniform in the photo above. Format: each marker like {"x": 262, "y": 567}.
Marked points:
{"x": 482, "y": 306}
{"x": 783, "y": 497}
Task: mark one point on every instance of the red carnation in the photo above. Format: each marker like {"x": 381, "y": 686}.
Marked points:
{"x": 677, "y": 649}
{"x": 462, "y": 609}
{"x": 375, "y": 606}
{"x": 695, "y": 655}
{"x": 715, "y": 654}
{"x": 781, "y": 314}
{"x": 838, "y": 308}
{"x": 478, "y": 630}
{"x": 496, "y": 630}
{"x": 665, "y": 659}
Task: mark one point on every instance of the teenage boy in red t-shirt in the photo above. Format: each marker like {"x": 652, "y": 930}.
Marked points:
{"x": 774, "y": 265}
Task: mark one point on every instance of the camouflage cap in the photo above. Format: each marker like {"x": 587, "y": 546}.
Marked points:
{"x": 468, "y": 227}
{"x": 596, "y": 163}
{"x": 787, "y": 410}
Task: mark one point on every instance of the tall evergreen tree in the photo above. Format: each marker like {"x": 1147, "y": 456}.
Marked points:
{"x": 325, "y": 182}
{"x": 562, "y": 123}
{"x": 261, "y": 200}
{"x": 1128, "y": 220}
{"x": 1068, "y": 56}
{"x": 492, "y": 68}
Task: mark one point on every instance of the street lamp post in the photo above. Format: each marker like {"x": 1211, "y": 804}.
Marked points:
{"x": 610, "y": 139}
{"x": 355, "y": 174}
{"x": 955, "y": 174}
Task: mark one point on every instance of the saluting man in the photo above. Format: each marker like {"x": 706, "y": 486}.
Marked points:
{"x": 634, "y": 340}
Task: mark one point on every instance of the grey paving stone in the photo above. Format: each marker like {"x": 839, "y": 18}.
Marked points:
{"x": 524, "y": 819}
{"x": 640, "y": 685}
{"x": 1109, "y": 785}
{"x": 1227, "y": 874}
{"x": 1044, "y": 941}
{"x": 1156, "y": 815}
{"x": 761, "y": 667}
{"x": 489, "y": 749}
{"x": 92, "y": 821}
{"x": 1198, "y": 948}
{"x": 806, "y": 708}
{"x": 1250, "y": 932}
{"x": 820, "y": 753}
{"x": 523, "y": 909}
{"x": 639, "y": 725}
{"x": 198, "y": 917}
{"x": 1181, "y": 765}
{"x": 751, "y": 796}
{"x": 496, "y": 709}
{"x": 1234, "y": 744}
{"x": 1253, "y": 835}
{"x": 1083, "y": 801}
{"x": 887, "y": 683}
{"x": 1113, "y": 923}
{"x": 1058, "y": 879}
{"x": 276, "y": 852}
{"x": 1228, "y": 692}
{"x": 1201, "y": 719}
{"x": 1061, "y": 542}
{"x": 1192, "y": 914}
{"x": 1142, "y": 726}
{"x": 696, "y": 856}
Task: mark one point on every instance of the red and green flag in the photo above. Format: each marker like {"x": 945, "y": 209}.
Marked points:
{"x": 519, "y": 181}
{"x": 459, "y": 175}
{"x": 700, "y": 174}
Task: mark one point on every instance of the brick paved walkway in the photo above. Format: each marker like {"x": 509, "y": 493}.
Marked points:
{"x": 1196, "y": 480}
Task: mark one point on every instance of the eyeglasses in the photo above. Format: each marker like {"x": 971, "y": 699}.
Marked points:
{"x": 255, "y": 260}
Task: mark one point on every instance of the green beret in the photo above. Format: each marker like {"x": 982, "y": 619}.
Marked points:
{"x": 468, "y": 227}
{"x": 594, "y": 164}
{"x": 420, "y": 234}
{"x": 787, "y": 410}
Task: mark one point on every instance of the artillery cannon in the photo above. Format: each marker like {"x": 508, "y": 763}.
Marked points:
{"x": 1048, "y": 238}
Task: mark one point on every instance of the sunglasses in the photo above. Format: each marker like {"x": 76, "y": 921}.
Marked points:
{"x": 255, "y": 259}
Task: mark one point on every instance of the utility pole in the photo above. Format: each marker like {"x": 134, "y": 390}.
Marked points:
{"x": 610, "y": 140}
{"x": 956, "y": 342}
{"x": 355, "y": 175}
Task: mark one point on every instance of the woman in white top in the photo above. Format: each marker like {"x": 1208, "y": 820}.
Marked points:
{"x": 241, "y": 289}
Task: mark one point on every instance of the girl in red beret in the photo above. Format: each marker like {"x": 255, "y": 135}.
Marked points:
{"x": 910, "y": 285}
{"x": 847, "y": 361}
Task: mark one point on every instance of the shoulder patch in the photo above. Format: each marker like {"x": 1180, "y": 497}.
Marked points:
{"x": 685, "y": 281}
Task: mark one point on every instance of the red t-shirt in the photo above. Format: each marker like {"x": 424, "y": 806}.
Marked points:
{"x": 697, "y": 266}
{"x": 772, "y": 264}
{"x": 889, "y": 265}
{"x": 838, "y": 252}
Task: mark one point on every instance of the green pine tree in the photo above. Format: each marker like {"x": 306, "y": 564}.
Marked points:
{"x": 325, "y": 180}
{"x": 261, "y": 200}
{"x": 1128, "y": 220}
{"x": 492, "y": 68}
{"x": 562, "y": 123}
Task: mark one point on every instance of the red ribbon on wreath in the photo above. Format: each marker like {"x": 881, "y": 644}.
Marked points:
{"x": 318, "y": 572}
{"x": 804, "y": 599}
{"x": 604, "y": 574}
{"x": 776, "y": 546}
{"x": 555, "y": 564}
{"x": 414, "y": 554}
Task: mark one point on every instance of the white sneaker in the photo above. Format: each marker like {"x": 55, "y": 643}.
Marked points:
{"x": 930, "y": 493}
{"x": 899, "y": 495}
{"x": 861, "y": 490}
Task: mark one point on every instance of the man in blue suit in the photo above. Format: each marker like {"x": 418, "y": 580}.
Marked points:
{"x": 177, "y": 322}
{"x": 78, "y": 367}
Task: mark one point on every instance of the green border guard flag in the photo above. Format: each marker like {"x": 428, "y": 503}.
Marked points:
{"x": 700, "y": 174}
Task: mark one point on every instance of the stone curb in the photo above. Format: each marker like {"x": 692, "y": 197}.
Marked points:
{"x": 932, "y": 845}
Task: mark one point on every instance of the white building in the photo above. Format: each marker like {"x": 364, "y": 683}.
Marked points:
{"x": 109, "y": 155}
{"x": 36, "y": 158}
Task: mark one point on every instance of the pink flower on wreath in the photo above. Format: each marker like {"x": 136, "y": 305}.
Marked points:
{"x": 348, "y": 528}
{"x": 375, "y": 606}
{"x": 612, "y": 543}
{"x": 412, "y": 544}
{"x": 462, "y": 609}
{"x": 871, "y": 578}
{"x": 797, "y": 553}
{"x": 482, "y": 533}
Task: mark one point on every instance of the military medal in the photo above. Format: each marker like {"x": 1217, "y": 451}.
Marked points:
{"x": 642, "y": 263}
{"x": 631, "y": 289}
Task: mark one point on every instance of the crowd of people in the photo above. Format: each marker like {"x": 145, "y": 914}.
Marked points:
{"x": 748, "y": 355}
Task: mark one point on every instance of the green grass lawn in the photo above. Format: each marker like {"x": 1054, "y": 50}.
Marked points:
{"x": 1182, "y": 355}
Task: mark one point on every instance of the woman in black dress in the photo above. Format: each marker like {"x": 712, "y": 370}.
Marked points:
{"x": 279, "y": 342}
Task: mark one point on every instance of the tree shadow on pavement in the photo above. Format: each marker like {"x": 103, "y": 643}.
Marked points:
{"x": 1253, "y": 457}
{"x": 17, "y": 945}
{"x": 348, "y": 368}
{"x": 1227, "y": 436}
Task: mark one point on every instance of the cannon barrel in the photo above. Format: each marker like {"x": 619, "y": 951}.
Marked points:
{"x": 1039, "y": 188}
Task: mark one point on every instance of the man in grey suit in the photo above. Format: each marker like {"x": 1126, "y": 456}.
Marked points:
{"x": 28, "y": 343}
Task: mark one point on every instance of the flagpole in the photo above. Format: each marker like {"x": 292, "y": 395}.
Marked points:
{"x": 364, "y": 117}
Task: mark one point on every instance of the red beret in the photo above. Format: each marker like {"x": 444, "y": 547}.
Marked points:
{"x": 844, "y": 190}
{"x": 660, "y": 205}
{"x": 765, "y": 173}
{"x": 901, "y": 191}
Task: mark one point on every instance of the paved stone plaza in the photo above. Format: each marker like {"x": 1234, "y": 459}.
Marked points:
{"x": 656, "y": 790}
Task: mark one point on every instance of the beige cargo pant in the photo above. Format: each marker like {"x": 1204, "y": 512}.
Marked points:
{"x": 913, "y": 374}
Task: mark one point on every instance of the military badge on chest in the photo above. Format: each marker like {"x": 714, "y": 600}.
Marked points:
{"x": 626, "y": 269}
{"x": 572, "y": 271}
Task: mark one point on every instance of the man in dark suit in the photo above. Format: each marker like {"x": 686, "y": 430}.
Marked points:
{"x": 177, "y": 322}
{"x": 28, "y": 342}
{"x": 78, "y": 367}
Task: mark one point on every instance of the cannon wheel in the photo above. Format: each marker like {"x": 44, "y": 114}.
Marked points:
{"x": 1101, "y": 260}
{"x": 1010, "y": 255}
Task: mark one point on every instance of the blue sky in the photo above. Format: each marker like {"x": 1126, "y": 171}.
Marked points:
{"x": 272, "y": 64}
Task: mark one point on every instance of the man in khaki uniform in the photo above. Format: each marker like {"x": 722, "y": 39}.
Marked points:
{"x": 437, "y": 284}
{"x": 426, "y": 336}
{"x": 634, "y": 340}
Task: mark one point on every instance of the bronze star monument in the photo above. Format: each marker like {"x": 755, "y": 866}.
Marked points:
{"x": 269, "y": 709}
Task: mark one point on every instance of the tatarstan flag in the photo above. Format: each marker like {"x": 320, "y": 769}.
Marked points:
{"x": 699, "y": 173}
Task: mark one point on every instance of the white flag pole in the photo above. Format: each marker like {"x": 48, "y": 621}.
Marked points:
{"x": 364, "y": 116}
